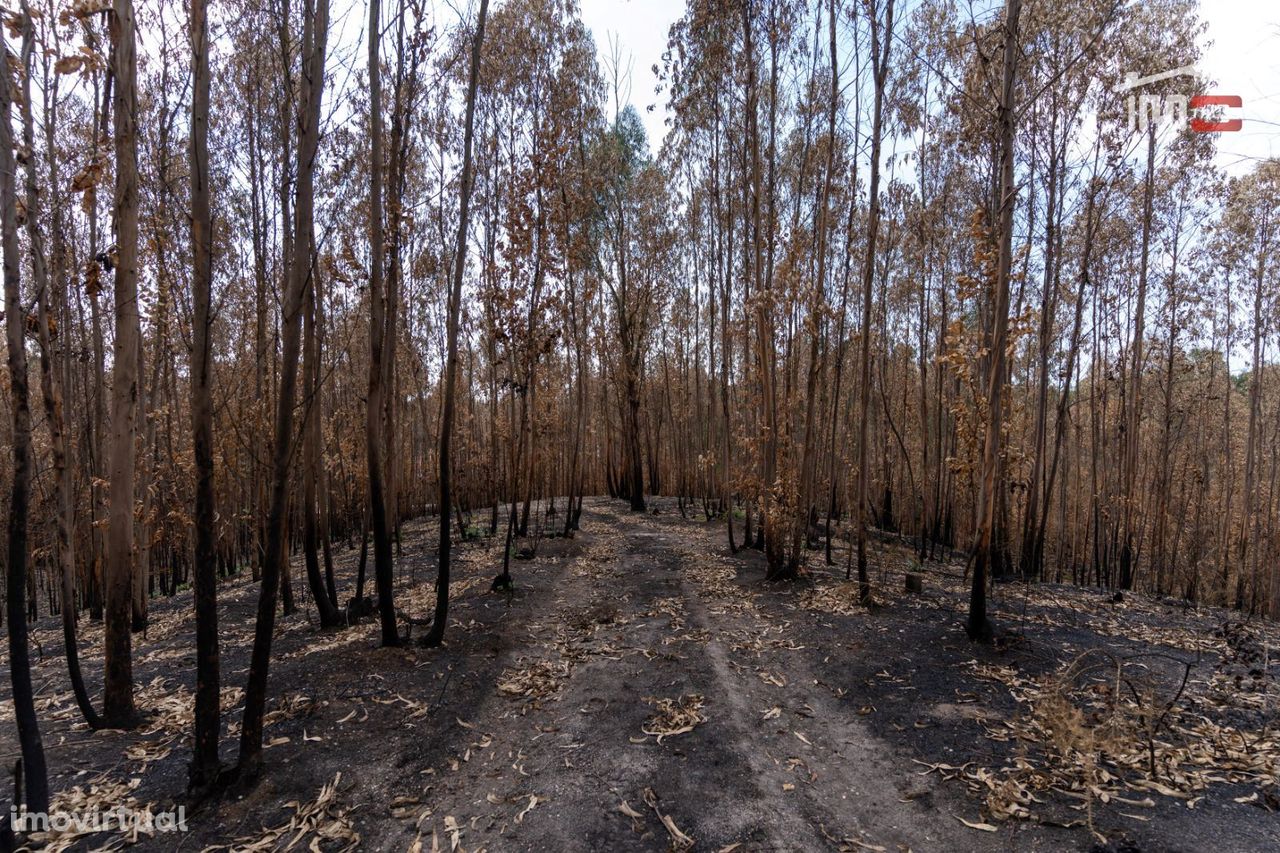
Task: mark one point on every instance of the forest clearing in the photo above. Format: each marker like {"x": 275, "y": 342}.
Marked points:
{"x": 640, "y": 674}
{"x": 679, "y": 424}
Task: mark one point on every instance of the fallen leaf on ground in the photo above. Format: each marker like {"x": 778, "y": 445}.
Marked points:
{"x": 455, "y": 831}
{"x": 679, "y": 840}
{"x": 985, "y": 827}
{"x": 626, "y": 809}
{"x": 674, "y": 716}
{"x": 533, "y": 802}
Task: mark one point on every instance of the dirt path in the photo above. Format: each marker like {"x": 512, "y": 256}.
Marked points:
{"x": 644, "y": 614}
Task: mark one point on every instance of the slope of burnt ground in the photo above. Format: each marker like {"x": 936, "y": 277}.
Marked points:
{"x": 644, "y": 689}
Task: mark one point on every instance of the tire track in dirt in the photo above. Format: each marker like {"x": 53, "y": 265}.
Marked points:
{"x": 702, "y": 779}
{"x": 837, "y": 785}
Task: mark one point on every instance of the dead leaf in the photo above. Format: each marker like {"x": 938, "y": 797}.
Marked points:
{"x": 626, "y": 809}
{"x": 985, "y": 827}
{"x": 864, "y": 845}
{"x": 533, "y": 802}
{"x": 674, "y": 716}
{"x": 679, "y": 840}
{"x": 455, "y": 831}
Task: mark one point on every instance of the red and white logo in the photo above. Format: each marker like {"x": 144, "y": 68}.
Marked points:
{"x": 1146, "y": 108}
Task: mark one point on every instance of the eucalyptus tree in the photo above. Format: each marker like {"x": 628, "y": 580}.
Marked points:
{"x": 628, "y": 276}
{"x": 978, "y": 626}
{"x": 1248, "y": 237}
{"x": 436, "y": 635}
{"x": 36, "y": 788}
{"x": 315, "y": 19}
{"x": 119, "y": 711}
{"x": 205, "y": 765}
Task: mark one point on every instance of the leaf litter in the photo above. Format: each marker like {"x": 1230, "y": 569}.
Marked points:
{"x": 674, "y": 717}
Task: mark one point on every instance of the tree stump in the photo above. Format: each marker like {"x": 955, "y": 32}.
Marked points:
{"x": 915, "y": 583}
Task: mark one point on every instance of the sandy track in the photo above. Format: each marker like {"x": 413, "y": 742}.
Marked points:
{"x": 647, "y": 612}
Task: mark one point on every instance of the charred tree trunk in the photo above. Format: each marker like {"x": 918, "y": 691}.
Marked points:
{"x": 119, "y": 711}
{"x": 205, "y": 765}
{"x": 436, "y": 635}
{"x": 35, "y": 776}
{"x": 312, "y": 463}
{"x": 978, "y": 625}
{"x": 880, "y": 45}
{"x": 315, "y": 26}
{"x": 382, "y": 568}
{"x": 52, "y": 382}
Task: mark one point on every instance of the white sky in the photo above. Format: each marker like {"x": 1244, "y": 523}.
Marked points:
{"x": 1242, "y": 55}
{"x": 1244, "y": 59}
{"x": 640, "y": 29}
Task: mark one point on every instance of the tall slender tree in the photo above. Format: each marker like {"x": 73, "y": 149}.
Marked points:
{"x": 382, "y": 569}
{"x": 52, "y": 383}
{"x": 978, "y": 626}
{"x": 204, "y": 762}
{"x": 315, "y": 25}
{"x": 881, "y": 42}
{"x": 35, "y": 776}
{"x": 119, "y": 710}
{"x": 436, "y": 635}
